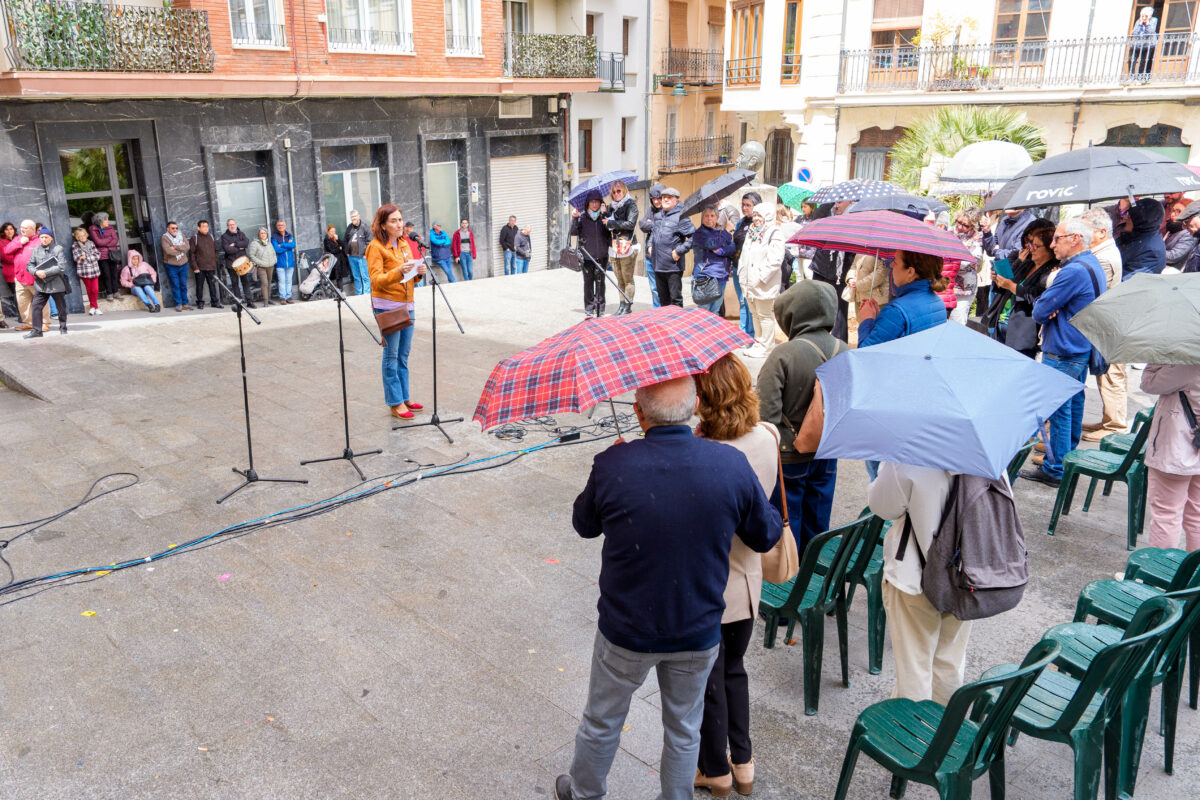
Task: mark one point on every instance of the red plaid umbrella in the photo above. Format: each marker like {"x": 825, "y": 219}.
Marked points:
{"x": 601, "y": 358}
{"x": 882, "y": 233}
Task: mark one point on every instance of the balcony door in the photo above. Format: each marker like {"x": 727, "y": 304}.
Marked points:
{"x": 1022, "y": 28}
{"x": 1175, "y": 22}
{"x": 100, "y": 177}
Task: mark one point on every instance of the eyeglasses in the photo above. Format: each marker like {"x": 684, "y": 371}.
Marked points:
{"x": 1064, "y": 236}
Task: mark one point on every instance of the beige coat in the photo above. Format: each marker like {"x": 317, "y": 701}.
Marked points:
{"x": 742, "y": 593}
{"x": 1169, "y": 448}
{"x": 871, "y": 280}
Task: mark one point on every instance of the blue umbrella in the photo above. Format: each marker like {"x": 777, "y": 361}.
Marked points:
{"x": 947, "y": 397}
{"x": 598, "y": 185}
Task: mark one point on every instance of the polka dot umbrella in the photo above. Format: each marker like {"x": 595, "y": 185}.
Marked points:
{"x": 855, "y": 189}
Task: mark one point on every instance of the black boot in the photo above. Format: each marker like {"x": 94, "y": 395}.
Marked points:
{"x": 33, "y": 334}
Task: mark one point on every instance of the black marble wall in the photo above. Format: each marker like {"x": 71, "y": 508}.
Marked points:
{"x": 182, "y": 147}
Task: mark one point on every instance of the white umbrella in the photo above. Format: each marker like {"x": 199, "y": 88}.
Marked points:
{"x": 982, "y": 167}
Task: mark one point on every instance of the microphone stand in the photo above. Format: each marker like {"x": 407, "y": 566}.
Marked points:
{"x": 435, "y": 287}
{"x": 249, "y": 474}
{"x": 347, "y": 453}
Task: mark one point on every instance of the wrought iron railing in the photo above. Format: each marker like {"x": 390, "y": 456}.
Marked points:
{"x": 374, "y": 41}
{"x": 691, "y": 67}
{"x": 250, "y": 34}
{"x": 458, "y": 44}
{"x": 790, "y": 68}
{"x": 698, "y": 151}
{"x": 611, "y": 70}
{"x": 98, "y": 37}
{"x": 1166, "y": 58}
{"x": 550, "y": 55}
{"x": 743, "y": 71}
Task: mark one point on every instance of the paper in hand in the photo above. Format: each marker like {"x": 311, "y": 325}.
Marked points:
{"x": 411, "y": 272}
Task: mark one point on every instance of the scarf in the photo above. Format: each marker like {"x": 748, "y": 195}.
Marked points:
{"x": 756, "y": 233}
{"x": 176, "y": 240}
{"x": 594, "y": 214}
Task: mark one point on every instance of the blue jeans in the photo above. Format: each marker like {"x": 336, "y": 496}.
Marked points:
{"x": 744, "y": 319}
{"x": 468, "y": 265}
{"x": 510, "y": 262}
{"x": 447, "y": 266}
{"x": 616, "y": 674}
{"x": 146, "y": 295}
{"x": 396, "y": 347}
{"x": 179, "y": 283}
{"x": 362, "y": 277}
{"x": 1066, "y": 424}
{"x": 650, "y": 276}
{"x": 283, "y": 279}
{"x": 809, "y": 489}
{"x": 522, "y": 266}
{"x": 715, "y": 305}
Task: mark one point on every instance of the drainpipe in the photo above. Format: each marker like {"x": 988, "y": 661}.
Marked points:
{"x": 1074, "y": 123}
{"x": 648, "y": 102}
{"x": 1087, "y": 41}
{"x": 287, "y": 149}
{"x": 837, "y": 110}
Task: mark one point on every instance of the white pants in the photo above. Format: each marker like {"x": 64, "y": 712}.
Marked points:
{"x": 763, "y": 314}
{"x": 930, "y": 647}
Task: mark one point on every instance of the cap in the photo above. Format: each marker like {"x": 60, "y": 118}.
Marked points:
{"x": 670, "y": 192}
{"x": 656, "y": 190}
{"x": 45, "y": 231}
{"x": 1192, "y": 209}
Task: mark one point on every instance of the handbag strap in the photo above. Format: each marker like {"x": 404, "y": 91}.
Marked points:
{"x": 1187, "y": 410}
{"x": 782, "y": 488}
{"x": 902, "y": 547}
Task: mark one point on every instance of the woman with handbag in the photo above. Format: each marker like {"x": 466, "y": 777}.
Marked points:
{"x": 1031, "y": 275}
{"x": 1173, "y": 455}
{"x": 713, "y": 248}
{"x": 394, "y": 276}
{"x": 139, "y": 277}
{"x": 728, "y": 409}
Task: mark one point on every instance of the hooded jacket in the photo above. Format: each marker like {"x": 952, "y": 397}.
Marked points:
{"x": 594, "y": 235}
{"x": 761, "y": 263}
{"x": 806, "y": 312}
{"x": 623, "y": 217}
{"x": 1143, "y": 249}
{"x": 714, "y": 248}
{"x": 439, "y": 245}
{"x": 129, "y": 271}
{"x": 671, "y": 233}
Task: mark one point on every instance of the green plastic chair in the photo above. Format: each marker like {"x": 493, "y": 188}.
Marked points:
{"x": 865, "y": 570}
{"x": 1082, "y": 642}
{"x": 1014, "y": 466}
{"x": 938, "y": 745}
{"x": 809, "y": 596}
{"x": 1121, "y": 442}
{"x": 1155, "y": 566}
{"x": 1086, "y": 712}
{"x": 1099, "y": 465}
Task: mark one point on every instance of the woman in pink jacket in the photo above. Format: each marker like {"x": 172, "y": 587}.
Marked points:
{"x": 1172, "y": 456}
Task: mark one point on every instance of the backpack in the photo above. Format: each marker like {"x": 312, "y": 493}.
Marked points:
{"x": 976, "y": 566}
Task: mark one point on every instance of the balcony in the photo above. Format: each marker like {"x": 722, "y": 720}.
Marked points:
{"x": 611, "y": 71}
{"x": 691, "y": 67}
{"x": 1065, "y": 64}
{"x": 675, "y": 155}
{"x": 743, "y": 71}
{"x": 369, "y": 41}
{"x": 459, "y": 44}
{"x": 790, "y": 68}
{"x": 252, "y": 34}
{"x": 551, "y": 55}
{"x": 61, "y": 35}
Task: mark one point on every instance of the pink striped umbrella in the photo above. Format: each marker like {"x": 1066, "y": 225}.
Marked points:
{"x": 881, "y": 233}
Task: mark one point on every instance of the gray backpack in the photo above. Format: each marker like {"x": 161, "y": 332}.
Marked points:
{"x": 976, "y": 565}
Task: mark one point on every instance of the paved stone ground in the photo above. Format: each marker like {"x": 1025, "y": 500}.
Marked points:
{"x": 432, "y": 641}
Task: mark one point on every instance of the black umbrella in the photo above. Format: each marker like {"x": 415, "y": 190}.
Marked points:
{"x": 1093, "y": 174}
{"x": 716, "y": 190}
{"x": 903, "y": 203}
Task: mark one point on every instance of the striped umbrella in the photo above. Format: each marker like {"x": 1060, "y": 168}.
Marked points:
{"x": 855, "y": 189}
{"x": 881, "y": 233}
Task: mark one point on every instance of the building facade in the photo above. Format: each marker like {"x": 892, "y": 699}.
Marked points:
{"x": 830, "y": 87}
{"x": 290, "y": 109}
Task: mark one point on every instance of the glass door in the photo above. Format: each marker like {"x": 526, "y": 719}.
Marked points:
{"x": 99, "y": 178}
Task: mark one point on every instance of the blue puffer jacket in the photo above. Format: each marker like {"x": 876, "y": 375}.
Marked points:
{"x": 439, "y": 246}
{"x": 1143, "y": 249}
{"x": 914, "y": 307}
{"x": 713, "y": 249}
{"x": 285, "y": 250}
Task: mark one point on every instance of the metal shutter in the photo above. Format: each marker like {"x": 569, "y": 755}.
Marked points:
{"x": 518, "y": 188}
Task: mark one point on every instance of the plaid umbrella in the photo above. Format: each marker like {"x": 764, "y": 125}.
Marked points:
{"x": 881, "y": 233}
{"x": 855, "y": 189}
{"x": 598, "y": 359}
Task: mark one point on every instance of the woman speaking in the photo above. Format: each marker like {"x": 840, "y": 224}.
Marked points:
{"x": 388, "y": 260}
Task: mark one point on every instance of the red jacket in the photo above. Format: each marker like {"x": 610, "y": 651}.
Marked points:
{"x": 950, "y": 269}
{"x": 456, "y": 242}
{"x": 19, "y": 253}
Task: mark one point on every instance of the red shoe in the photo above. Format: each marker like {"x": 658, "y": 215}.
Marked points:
{"x": 401, "y": 414}
{"x": 414, "y": 406}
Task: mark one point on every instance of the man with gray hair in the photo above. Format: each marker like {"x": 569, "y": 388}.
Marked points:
{"x": 668, "y": 505}
{"x": 1112, "y": 383}
{"x": 1080, "y": 280}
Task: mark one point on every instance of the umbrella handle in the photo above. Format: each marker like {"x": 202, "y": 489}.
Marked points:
{"x": 616, "y": 423}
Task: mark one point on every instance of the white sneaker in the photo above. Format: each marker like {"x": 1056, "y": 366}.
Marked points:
{"x": 99, "y": 313}
{"x": 91, "y": 312}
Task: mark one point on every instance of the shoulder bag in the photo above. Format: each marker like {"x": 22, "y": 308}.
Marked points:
{"x": 782, "y": 562}
{"x": 1190, "y": 415}
{"x": 394, "y": 320}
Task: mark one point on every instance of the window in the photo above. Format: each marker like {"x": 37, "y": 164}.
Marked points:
{"x": 374, "y": 25}
{"x": 744, "y": 132}
{"x": 893, "y": 54}
{"x": 516, "y": 108}
{"x": 245, "y": 201}
{"x": 590, "y": 27}
{"x": 790, "y": 72}
{"x": 256, "y": 23}
{"x": 624, "y": 133}
{"x": 745, "y": 44}
{"x": 1165, "y": 140}
{"x": 462, "y": 28}
{"x": 584, "y": 156}
{"x": 870, "y": 157}
{"x": 672, "y": 130}
{"x": 779, "y": 158}
{"x": 626, "y": 24}
{"x": 677, "y": 25}
{"x": 710, "y": 123}
{"x": 516, "y": 16}
{"x": 1022, "y": 26}
{"x": 346, "y": 190}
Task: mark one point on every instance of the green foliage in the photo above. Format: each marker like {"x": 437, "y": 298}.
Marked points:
{"x": 546, "y": 55}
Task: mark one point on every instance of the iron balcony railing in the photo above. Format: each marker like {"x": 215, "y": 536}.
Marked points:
{"x": 743, "y": 71}
{"x": 790, "y": 68}
{"x": 698, "y": 151}
{"x": 1161, "y": 59}
{"x": 374, "y": 41}
{"x": 691, "y": 67}
{"x": 100, "y": 37}
{"x": 611, "y": 70}
{"x": 458, "y": 44}
{"x": 551, "y": 55}
{"x": 255, "y": 34}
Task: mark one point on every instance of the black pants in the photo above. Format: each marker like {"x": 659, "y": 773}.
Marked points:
{"x": 670, "y": 288}
{"x": 982, "y": 297}
{"x": 242, "y": 285}
{"x": 207, "y": 277}
{"x": 727, "y": 703}
{"x": 1140, "y": 59}
{"x": 594, "y": 286}
{"x": 110, "y": 276}
{"x": 60, "y": 302}
{"x": 8, "y": 301}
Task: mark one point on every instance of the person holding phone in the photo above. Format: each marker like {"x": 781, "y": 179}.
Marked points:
{"x": 389, "y": 261}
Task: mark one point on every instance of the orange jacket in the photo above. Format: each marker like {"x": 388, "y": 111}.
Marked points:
{"x": 386, "y": 266}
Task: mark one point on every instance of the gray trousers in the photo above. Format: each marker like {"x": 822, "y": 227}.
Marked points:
{"x": 616, "y": 675}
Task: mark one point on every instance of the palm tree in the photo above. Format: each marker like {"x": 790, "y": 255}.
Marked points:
{"x": 947, "y": 130}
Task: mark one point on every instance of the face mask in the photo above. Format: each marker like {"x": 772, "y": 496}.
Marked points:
{"x": 594, "y": 214}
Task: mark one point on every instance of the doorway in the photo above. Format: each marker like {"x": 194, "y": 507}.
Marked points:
{"x": 1174, "y": 22}
{"x": 99, "y": 177}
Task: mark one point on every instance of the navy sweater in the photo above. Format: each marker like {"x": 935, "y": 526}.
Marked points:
{"x": 669, "y": 506}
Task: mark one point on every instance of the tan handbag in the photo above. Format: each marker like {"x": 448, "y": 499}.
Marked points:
{"x": 782, "y": 562}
